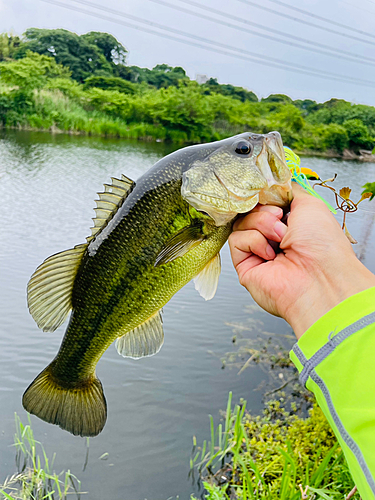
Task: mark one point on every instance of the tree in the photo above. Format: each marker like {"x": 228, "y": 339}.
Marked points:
{"x": 160, "y": 76}
{"x": 307, "y": 106}
{"x": 86, "y": 55}
{"x": 281, "y": 98}
{"x": 358, "y": 135}
{"x": 335, "y": 137}
{"x": 110, "y": 83}
{"x": 113, "y": 50}
{"x": 31, "y": 72}
{"x": 9, "y": 44}
{"x": 213, "y": 86}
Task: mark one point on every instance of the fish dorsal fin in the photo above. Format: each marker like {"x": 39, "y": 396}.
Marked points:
{"x": 110, "y": 200}
{"x": 49, "y": 291}
{"x": 145, "y": 340}
{"x": 180, "y": 243}
{"x": 207, "y": 280}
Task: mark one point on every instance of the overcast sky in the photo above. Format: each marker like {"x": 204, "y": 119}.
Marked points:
{"x": 147, "y": 50}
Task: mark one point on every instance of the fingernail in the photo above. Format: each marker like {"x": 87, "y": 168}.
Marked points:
{"x": 270, "y": 252}
{"x": 280, "y": 229}
{"x": 272, "y": 209}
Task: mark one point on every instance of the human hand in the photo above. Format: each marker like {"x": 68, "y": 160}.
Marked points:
{"x": 315, "y": 270}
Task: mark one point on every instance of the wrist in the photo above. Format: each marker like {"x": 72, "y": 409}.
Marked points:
{"x": 326, "y": 291}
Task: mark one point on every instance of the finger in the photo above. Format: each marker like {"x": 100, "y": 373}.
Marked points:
{"x": 298, "y": 191}
{"x": 268, "y": 208}
{"x": 244, "y": 244}
{"x": 265, "y": 222}
{"x": 301, "y": 198}
{"x": 246, "y": 265}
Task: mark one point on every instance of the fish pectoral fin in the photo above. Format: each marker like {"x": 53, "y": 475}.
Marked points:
{"x": 145, "y": 340}
{"x": 207, "y": 280}
{"x": 180, "y": 243}
{"x": 49, "y": 291}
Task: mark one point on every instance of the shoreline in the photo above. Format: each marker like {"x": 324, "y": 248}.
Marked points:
{"x": 364, "y": 157}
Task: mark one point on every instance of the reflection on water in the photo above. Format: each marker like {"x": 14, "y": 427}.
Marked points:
{"x": 47, "y": 189}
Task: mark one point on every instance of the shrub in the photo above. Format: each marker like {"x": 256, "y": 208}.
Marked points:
{"x": 358, "y": 134}
{"x": 269, "y": 456}
{"x": 335, "y": 137}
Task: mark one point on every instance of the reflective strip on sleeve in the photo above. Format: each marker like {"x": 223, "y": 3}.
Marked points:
{"x": 329, "y": 347}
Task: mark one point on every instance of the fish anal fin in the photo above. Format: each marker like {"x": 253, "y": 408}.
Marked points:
{"x": 145, "y": 340}
{"x": 80, "y": 409}
{"x": 207, "y": 280}
{"x": 110, "y": 200}
{"x": 49, "y": 290}
{"x": 179, "y": 244}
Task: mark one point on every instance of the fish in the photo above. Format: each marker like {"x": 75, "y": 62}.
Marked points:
{"x": 150, "y": 238}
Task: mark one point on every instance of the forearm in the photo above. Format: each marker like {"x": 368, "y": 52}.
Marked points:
{"x": 331, "y": 285}
{"x": 335, "y": 358}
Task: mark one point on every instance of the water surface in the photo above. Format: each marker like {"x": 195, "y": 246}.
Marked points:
{"x": 155, "y": 405}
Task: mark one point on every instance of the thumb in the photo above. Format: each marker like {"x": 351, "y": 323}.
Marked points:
{"x": 299, "y": 192}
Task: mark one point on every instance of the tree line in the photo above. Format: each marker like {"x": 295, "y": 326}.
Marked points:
{"x": 56, "y": 79}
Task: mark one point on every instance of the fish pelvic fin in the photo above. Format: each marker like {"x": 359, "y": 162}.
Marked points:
{"x": 80, "y": 409}
{"x": 207, "y": 280}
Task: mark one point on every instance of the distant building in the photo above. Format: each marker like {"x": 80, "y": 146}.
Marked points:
{"x": 201, "y": 79}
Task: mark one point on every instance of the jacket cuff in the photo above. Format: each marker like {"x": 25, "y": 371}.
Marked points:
{"x": 321, "y": 339}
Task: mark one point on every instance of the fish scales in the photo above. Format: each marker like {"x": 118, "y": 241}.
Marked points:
{"x": 164, "y": 232}
{"x": 129, "y": 289}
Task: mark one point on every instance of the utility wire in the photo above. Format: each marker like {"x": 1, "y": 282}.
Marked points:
{"x": 227, "y": 49}
{"x": 308, "y": 23}
{"x": 339, "y": 52}
{"x": 358, "y": 7}
{"x": 321, "y": 18}
{"x": 272, "y": 30}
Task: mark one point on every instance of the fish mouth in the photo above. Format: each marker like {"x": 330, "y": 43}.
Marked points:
{"x": 272, "y": 164}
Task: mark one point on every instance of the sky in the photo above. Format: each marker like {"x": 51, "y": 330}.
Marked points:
{"x": 239, "y": 57}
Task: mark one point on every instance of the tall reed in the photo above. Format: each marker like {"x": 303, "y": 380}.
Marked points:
{"x": 35, "y": 478}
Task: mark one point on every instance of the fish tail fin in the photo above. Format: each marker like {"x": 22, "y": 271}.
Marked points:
{"x": 80, "y": 409}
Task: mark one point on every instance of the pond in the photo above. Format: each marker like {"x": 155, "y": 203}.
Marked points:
{"x": 155, "y": 405}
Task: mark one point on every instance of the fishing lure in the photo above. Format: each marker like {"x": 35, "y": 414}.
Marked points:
{"x": 298, "y": 175}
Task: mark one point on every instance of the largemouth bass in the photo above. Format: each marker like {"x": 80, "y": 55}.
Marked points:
{"x": 149, "y": 239}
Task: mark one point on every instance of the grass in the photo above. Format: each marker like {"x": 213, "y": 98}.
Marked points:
{"x": 287, "y": 453}
{"x": 277, "y": 455}
{"x": 35, "y": 478}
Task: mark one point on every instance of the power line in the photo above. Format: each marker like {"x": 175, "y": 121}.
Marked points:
{"x": 358, "y": 7}
{"x": 272, "y": 30}
{"x": 308, "y": 23}
{"x": 227, "y": 49}
{"x": 321, "y": 18}
{"x": 339, "y": 53}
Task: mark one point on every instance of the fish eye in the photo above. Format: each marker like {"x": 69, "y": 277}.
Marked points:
{"x": 243, "y": 148}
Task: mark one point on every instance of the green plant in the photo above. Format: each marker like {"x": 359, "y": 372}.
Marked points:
{"x": 358, "y": 134}
{"x": 369, "y": 188}
{"x": 270, "y": 456}
{"x": 35, "y": 479}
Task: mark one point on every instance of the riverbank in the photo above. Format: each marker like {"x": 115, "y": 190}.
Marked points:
{"x": 36, "y": 93}
{"x": 142, "y": 132}
{"x": 139, "y": 132}
{"x": 110, "y": 99}
{"x": 278, "y": 454}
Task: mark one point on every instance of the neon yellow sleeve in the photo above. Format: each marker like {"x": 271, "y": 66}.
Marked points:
{"x": 336, "y": 361}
